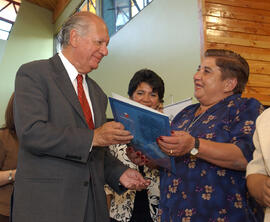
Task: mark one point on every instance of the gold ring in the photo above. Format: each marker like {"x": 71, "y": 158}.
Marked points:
{"x": 171, "y": 152}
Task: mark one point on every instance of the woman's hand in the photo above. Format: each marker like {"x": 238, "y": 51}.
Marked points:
{"x": 136, "y": 156}
{"x": 178, "y": 144}
{"x": 226, "y": 155}
{"x": 139, "y": 159}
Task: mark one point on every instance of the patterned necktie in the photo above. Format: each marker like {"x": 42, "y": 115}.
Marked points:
{"x": 84, "y": 104}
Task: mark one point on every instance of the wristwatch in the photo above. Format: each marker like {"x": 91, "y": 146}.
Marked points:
{"x": 195, "y": 150}
{"x": 10, "y": 176}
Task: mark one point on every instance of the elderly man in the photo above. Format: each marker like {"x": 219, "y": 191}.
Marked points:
{"x": 63, "y": 161}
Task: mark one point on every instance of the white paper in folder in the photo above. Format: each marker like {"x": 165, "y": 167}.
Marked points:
{"x": 173, "y": 109}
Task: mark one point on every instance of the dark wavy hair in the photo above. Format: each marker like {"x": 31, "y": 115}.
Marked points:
{"x": 232, "y": 65}
{"x": 9, "y": 120}
{"x": 150, "y": 77}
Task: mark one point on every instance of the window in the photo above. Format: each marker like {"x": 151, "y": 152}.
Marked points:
{"x": 117, "y": 13}
{"x": 126, "y": 9}
{"x": 8, "y": 14}
{"x": 89, "y": 5}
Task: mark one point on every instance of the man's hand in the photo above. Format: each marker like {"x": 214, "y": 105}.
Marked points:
{"x": 265, "y": 195}
{"x": 111, "y": 133}
{"x": 259, "y": 187}
{"x": 132, "y": 179}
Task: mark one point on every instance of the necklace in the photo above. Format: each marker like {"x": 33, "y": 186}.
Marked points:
{"x": 195, "y": 119}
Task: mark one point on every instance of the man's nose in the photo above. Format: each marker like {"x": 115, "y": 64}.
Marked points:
{"x": 104, "y": 50}
{"x": 197, "y": 75}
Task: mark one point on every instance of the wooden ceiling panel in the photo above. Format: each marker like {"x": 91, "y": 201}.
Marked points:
{"x": 48, "y": 4}
{"x": 56, "y": 6}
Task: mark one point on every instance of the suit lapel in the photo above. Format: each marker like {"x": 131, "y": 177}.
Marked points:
{"x": 63, "y": 82}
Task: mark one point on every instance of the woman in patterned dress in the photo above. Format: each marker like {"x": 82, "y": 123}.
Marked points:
{"x": 212, "y": 144}
{"x": 147, "y": 88}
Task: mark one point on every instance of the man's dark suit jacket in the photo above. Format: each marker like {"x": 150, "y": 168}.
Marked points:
{"x": 55, "y": 169}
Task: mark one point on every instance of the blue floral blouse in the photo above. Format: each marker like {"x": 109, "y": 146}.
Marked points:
{"x": 201, "y": 191}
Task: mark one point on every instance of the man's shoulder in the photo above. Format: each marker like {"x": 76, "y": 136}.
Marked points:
{"x": 264, "y": 116}
{"x": 37, "y": 64}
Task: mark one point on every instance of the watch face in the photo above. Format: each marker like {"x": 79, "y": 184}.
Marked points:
{"x": 194, "y": 151}
{"x": 10, "y": 176}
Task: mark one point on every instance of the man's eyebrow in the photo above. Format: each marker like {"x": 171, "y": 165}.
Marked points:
{"x": 208, "y": 68}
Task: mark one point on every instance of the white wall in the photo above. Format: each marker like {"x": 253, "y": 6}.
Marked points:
{"x": 2, "y": 48}
{"x": 31, "y": 38}
{"x": 164, "y": 37}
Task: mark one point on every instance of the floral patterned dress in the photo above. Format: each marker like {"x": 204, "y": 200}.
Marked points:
{"x": 122, "y": 205}
{"x": 201, "y": 191}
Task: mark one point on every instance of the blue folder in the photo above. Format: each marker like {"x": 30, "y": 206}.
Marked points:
{"x": 146, "y": 126}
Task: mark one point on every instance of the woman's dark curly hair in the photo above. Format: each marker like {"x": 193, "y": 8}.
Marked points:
{"x": 9, "y": 120}
{"x": 150, "y": 77}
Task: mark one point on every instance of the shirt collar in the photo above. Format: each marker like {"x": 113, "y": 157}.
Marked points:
{"x": 71, "y": 70}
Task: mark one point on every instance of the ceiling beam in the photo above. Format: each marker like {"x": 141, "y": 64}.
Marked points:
{"x": 44, "y": 4}
{"x": 13, "y": 2}
{"x": 59, "y": 8}
{"x": 56, "y": 6}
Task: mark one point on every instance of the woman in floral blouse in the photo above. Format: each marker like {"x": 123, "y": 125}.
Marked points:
{"x": 147, "y": 88}
{"x": 212, "y": 144}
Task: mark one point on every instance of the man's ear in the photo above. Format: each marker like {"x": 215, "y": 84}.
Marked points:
{"x": 230, "y": 84}
{"x": 73, "y": 38}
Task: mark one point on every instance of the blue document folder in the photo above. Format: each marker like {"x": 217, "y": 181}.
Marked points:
{"x": 146, "y": 125}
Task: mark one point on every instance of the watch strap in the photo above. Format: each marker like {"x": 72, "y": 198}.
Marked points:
{"x": 195, "y": 150}
{"x": 197, "y": 143}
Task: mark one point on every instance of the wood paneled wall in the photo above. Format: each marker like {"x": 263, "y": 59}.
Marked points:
{"x": 244, "y": 27}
